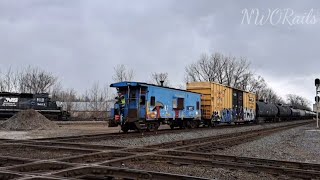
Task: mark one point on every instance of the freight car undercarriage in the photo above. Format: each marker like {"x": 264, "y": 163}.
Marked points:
{"x": 153, "y": 125}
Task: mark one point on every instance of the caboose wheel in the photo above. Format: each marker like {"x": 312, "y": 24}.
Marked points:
{"x": 125, "y": 129}
{"x": 156, "y": 126}
{"x": 214, "y": 124}
{"x": 193, "y": 124}
{"x": 150, "y": 127}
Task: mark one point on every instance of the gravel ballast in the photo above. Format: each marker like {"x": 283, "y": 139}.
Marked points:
{"x": 301, "y": 144}
{"x": 197, "y": 133}
{"x": 198, "y": 171}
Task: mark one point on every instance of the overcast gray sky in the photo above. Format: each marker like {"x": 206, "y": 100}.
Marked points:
{"x": 82, "y": 40}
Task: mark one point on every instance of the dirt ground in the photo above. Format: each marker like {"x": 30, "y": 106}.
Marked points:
{"x": 65, "y": 129}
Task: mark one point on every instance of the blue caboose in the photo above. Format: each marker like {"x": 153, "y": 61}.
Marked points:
{"x": 147, "y": 106}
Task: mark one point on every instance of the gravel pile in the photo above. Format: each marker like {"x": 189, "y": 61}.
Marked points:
{"x": 28, "y": 120}
{"x": 299, "y": 144}
{"x": 202, "y": 132}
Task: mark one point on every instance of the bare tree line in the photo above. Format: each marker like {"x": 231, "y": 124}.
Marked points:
{"x": 218, "y": 68}
{"x": 122, "y": 73}
{"x": 230, "y": 71}
{"x": 237, "y": 73}
{"x": 227, "y": 70}
{"x": 28, "y": 80}
{"x": 298, "y": 101}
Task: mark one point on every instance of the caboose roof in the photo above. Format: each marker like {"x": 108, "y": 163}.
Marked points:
{"x": 137, "y": 84}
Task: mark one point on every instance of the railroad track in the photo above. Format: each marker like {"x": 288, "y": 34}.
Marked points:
{"x": 105, "y": 136}
{"x": 119, "y": 135}
{"x": 234, "y": 138}
{"x": 59, "y": 159}
{"x": 277, "y": 168}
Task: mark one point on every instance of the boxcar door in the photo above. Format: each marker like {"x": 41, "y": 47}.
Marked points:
{"x": 240, "y": 105}
{"x": 235, "y": 103}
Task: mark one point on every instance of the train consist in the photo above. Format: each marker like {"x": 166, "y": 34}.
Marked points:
{"x": 11, "y": 103}
{"x": 147, "y": 106}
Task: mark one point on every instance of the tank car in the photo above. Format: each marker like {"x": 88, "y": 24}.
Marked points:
{"x": 295, "y": 114}
{"x": 266, "y": 112}
{"x": 284, "y": 112}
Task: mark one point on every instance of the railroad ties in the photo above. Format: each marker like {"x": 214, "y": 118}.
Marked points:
{"x": 65, "y": 158}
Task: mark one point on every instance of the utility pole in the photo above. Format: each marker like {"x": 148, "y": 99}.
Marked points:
{"x": 317, "y": 99}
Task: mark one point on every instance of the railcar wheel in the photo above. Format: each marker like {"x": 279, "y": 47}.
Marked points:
{"x": 197, "y": 124}
{"x": 171, "y": 126}
{"x": 149, "y": 127}
{"x": 193, "y": 124}
{"x": 215, "y": 124}
{"x": 125, "y": 129}
{"x": 156, "y": 126}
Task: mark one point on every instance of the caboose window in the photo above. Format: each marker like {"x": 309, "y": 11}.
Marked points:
{"x": 142, "y": 100}
{"x": 180, "y": 103}
{"x": 153, "y": 101}
{"x": 198, "y": 105}
{"x": 132, "y": 96}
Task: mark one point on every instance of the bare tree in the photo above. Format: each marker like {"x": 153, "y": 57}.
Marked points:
{"x": 94, "y": 96}
{"x": 270, "y": 96}
{"x": 241, "y": 73}
{"x": 35, "y": 80}
{"x": 205, "y": 69}
{"x": 66, "y": 96}
{"x": 69, "y": 96}
{"x": 99, "y": 99}
{"x": 99, "y": 96}
{"x": 2, "y": 87}
{"x": 55, "y": 91}
{"x": 121, "y": 73}
{"x": 255, "y": 84}
{"x": 9, "y": 81}
{"x": 298, "y": 101}
{"x": 230, "y": 71}
{"x": 222, "y": 69}
{"x": 157, "y": 78}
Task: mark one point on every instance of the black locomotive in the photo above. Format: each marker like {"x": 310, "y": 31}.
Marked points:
{"x": 11, "y": 103}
